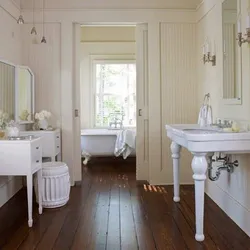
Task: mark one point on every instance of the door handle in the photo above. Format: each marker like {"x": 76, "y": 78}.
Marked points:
{"x": 139, "y": 111}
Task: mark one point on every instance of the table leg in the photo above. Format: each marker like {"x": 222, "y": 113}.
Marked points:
{"x": 175, "y": 149}
{"x": 40, "y": 190}
{"x": 30, "y": 198}
{"x": 199, "y": 166}
{"x": 59, "y": 157}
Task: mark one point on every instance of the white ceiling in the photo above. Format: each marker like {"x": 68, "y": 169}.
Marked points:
{"x": 111, "y": 4}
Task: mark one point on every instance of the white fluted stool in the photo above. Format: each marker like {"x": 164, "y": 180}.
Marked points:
{"x": 56, "y": 184}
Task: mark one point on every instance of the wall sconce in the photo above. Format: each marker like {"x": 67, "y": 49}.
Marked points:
{"x": 207, "y": 55}
{"x": 20, "y": 20}
{"x": 246, "y": 37}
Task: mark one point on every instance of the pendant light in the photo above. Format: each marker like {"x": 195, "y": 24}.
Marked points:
{"x": 20, "y": 20}
{"x": 43, "y": 38}
{"x": 33, "y": 30}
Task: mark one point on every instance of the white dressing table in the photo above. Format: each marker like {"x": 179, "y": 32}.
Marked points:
{"x": 50, "y": 140}
{"x": 23, "y": 158}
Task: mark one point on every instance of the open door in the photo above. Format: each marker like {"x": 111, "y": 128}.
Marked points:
{"x": 76, "y": 103}
{"x": 142, "y": 132}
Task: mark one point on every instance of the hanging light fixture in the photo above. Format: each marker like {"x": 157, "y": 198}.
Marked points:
{"x": 33, "y": 30}
{"x": 20, "y": 20}
{"x": 43, "y": 38}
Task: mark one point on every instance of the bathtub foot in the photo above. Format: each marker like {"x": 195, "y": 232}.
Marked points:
{"x": 86, "y": 157}
{"x": 86, "y": 160}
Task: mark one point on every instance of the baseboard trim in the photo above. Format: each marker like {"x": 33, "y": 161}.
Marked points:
{"x": 237, "y": 212}
{"x": 9, "y": 189}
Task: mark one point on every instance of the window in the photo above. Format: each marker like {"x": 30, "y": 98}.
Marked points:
{"x": 115, "y": 94}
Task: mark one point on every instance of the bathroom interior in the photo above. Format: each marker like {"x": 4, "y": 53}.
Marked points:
{"x": 108, "y": 91}
{"x": 143, "y": 103}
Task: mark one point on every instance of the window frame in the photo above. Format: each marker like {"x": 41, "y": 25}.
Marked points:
{"x": 107, "y": 60}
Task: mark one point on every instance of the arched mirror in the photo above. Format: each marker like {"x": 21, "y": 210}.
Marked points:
{"x": 24, "y": 89}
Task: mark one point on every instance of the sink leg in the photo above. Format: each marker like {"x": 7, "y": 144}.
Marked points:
{"x": 199, "y": 166}
{"x": 175, "y": 149}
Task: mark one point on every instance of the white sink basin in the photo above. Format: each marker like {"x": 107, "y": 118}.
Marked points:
{"x": 208, "y": 139}
{"x": 201, "y": 131}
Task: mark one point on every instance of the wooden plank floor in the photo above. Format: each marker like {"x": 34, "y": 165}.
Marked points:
{"x": 111, "y": 211}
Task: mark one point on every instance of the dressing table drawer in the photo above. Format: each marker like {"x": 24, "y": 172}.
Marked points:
{"x": 50, "y": 141}
{"x": 36, "y": 153}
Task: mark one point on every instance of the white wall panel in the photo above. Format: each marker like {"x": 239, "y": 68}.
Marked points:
{"x": 178, "y": 93}
{"x": 44, "y": 61}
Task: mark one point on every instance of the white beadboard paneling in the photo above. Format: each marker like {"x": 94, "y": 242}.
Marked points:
{"x": 178, "y": 90}
{"x": 44, "y": 61}
{"x": 142, "y": 133}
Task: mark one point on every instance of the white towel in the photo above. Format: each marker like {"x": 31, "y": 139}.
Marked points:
{"x": 125, "y": 143}
{"x": 205, "y": 115}
{"x": 209, "y": 119}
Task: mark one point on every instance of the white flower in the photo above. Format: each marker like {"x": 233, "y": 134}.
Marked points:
{"x": 4, "y": 119}
{"x": 44, "y": 114}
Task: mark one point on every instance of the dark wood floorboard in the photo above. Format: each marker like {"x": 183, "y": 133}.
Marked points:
{"x": 109, "y": 210}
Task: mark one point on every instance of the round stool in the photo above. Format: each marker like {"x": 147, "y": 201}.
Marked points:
{"x": 56, "y": 184}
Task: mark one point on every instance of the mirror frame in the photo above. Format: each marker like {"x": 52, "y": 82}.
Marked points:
{"x": 13, "y": 65}
{"x": 32, "y": 92}
{"x": 238, "y": 100}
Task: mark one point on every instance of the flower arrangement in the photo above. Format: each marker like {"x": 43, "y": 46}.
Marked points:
{"x": 42, "y": 115}
{"x": 24, "y": 115}
{"x": 42, "y": 118}
{"x": 4, "y": 119}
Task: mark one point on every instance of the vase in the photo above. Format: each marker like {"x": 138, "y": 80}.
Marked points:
{"x": 43, "y": 124}
{"x": 13, "y": 131}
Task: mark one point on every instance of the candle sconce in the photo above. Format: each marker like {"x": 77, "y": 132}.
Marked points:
{"x": 208, "y": 56}
{"x": 243, "y": 38}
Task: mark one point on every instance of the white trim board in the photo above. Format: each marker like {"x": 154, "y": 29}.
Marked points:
{"x": 238, "y": 213}
{"x": 112, "y": 16}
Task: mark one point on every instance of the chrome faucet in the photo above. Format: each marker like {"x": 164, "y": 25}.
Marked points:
{"x": 225, "y": 124}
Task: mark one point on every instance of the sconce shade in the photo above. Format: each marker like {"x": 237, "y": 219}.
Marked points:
{"x": 20, "y": 20}
{"x": 43, "y": 40}
{"x": 33, "y": 31}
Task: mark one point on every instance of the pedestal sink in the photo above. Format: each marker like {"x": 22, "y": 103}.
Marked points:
{"x": 200, "y": 141}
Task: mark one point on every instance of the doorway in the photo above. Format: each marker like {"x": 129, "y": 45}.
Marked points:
{"x": 110, "y": 55}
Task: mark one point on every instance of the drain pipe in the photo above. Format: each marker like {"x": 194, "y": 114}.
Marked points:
{"x": 227, "y": 165}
